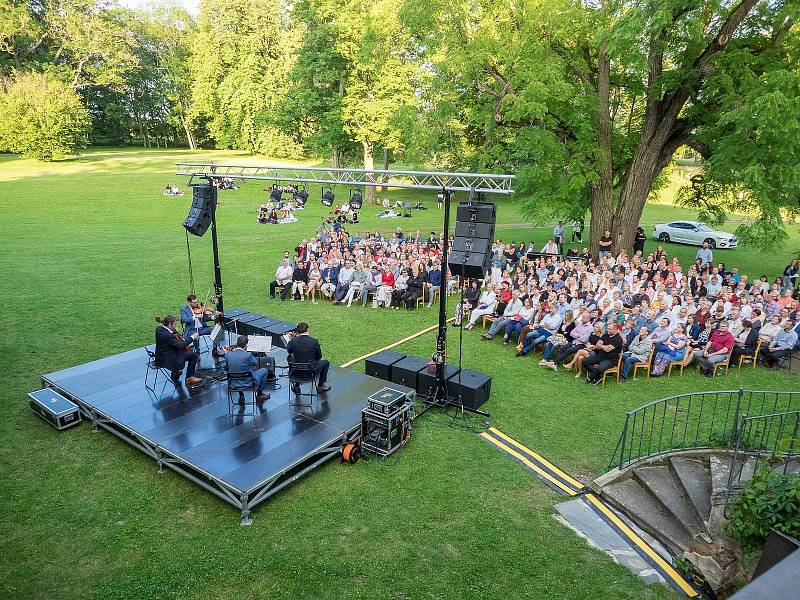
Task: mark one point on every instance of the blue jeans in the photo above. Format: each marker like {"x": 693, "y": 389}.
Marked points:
{"x": 260, "y": 376}
{"x": 534, "y": 338}
{"x": 498, "y": 324}
{"x": 628, "y": 360}
{"x": 512, "y": 331}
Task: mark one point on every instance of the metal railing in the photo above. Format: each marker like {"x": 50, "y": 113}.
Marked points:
{"x": 762, "y": 441}
{"x": 695, "y": 420}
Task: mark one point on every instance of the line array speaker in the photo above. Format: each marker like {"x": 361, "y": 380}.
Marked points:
{"x": 472, "y": 245}
{"x": 204, "y": 203}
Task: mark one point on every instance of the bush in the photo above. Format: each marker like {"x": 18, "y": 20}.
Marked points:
{"x": 41, "y": 117}
{"x": 770, "y": 501}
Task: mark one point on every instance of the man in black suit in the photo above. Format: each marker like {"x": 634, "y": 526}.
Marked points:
{"x": 171, "y": 352}
{"x": 305, "y": 349}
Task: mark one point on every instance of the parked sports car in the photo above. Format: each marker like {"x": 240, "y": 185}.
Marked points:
{"x": 693, "y": 232}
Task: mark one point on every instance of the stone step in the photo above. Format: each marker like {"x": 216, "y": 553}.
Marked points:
{"x": 792, "y": 467}
{"x": 640, "y": 505}
{"x": 662, "y": 484}
{"x": 749, "y": 469}
{"x": 720, "y": 469}
{"x": 695, "y": 478}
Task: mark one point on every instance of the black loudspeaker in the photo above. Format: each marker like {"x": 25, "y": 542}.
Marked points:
{"x": 204, "y": 203}
{"x": 426, "y": 381}
{"x": 472, "y": 245}
{"x": 474, "y": 387}
{"x": 406, "y": 371}
{"x": 380, "y": 365}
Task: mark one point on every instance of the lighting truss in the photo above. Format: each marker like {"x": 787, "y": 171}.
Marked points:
{"x": 485, "y": 183}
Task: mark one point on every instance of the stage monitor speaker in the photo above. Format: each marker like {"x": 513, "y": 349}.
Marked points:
{"x": 406, "y": 371}
{"x": 204, "y": 203}
{"x": 471, "y": 253}
{"x": 473, "y": 387}
{"x": 380, "y": 365}
{"x": 426, "y": 381}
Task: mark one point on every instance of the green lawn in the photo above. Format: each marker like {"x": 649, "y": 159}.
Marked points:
{"x": 92, "y": 251}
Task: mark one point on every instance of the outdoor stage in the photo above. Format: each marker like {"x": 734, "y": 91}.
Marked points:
{"x": 242, "y": 459}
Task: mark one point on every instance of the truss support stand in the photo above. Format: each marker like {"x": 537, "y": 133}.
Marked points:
{"x": 439, "y": 396}
{"x": 215, "y": 248}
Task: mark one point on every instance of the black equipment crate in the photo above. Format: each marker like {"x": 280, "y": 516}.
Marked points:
{"x": 386, "y": 400}
{"x": 383, "y": 434}
{"x": 258, "y": 326}
{"x": 380, "y": 365}
{"x": 474, "y": 387}
{"x": 277, "y": 329}
{"x": 405, "y": 371}
{"x": 426, "y": 380}
{"x": 54, "y": 408}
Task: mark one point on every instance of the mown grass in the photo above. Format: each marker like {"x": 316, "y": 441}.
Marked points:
{"x": 92, "y": 251}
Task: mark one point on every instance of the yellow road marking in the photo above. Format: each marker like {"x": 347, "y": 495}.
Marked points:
{"x": 390, "y": 346}
{"x": 668, "y": 568}
{"x": 543, "y": 460}
{"x": 569, "y": 491}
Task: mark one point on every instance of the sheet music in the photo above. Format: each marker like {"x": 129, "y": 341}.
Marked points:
{"x": 215, "y": 332}
{"x": 259, "y": 343}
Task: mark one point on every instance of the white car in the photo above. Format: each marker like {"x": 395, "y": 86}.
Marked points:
{"x": 694, "y": 232}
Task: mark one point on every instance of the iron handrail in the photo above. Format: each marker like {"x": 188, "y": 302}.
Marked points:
{"x": 693, "y": 420}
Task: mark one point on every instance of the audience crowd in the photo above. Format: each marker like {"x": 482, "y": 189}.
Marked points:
{"x": 585, "y": 313}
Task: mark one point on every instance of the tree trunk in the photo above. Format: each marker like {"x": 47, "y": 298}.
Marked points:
{"x": 369, "y": 165}
{"x": 385, "y": 167}
{"x": 601, "y": 195}
{"x": 336, "y": 157}
{"x": 189, "y": 135}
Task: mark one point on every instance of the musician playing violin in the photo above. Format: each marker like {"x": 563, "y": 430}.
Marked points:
{"x": 195, "y": 319}
{"x": 173, "y": 351}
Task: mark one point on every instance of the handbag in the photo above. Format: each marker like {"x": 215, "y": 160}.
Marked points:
{"x": 557, "y": 340}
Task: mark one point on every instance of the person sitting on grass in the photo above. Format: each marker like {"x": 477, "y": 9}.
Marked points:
{"x": 607, "y": 353}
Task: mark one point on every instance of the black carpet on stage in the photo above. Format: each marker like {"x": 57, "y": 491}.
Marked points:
{"x": 243, "y": 459}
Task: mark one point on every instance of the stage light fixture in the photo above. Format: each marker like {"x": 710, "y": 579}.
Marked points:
{"x": 328, "y": 197}
{"x": 301, "y": 196}
{"x": 356, "y": 200}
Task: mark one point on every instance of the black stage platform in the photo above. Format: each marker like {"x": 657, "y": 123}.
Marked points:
{"x": 242, "y": 459}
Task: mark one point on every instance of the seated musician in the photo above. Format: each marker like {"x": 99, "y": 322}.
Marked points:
{"x": 172, "y": 351}
{"x": 195, "y": 318}
{"x": 305, "y": 349}
{"x": 241, "y": 361}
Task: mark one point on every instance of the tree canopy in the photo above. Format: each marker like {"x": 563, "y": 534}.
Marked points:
{"x": 586, "y": 101}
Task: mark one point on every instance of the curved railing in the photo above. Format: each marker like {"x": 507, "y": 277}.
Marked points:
{"x": 694, "y": 420}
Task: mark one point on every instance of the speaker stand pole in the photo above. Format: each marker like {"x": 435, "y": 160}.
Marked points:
{"x": 215, "y": 247}
{"x": 439, "y": 395}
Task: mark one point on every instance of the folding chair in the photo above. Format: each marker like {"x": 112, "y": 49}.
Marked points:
{"x": 613, "y": 371}
{"x": 648, "y": 364}
{"x": 241, "y": 383}
{"x": 753, "y": 357}
{"x": 152, "y": 367}
{"x": 300, "y": 373}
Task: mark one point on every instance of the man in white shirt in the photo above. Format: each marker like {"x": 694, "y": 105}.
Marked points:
{"x": 548, "y": 325}
{"x": 283, "y": 277}
{"x": 512, "y": 310}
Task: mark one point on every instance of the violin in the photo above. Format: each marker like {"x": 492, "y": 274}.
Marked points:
{"x": 178, "y": 336}
{"x": 205, "y": 311}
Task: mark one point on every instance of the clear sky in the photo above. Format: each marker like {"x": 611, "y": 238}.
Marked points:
{"x": 190, "y": 5}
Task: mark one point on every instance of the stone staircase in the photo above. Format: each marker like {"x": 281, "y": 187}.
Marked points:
{"x": 680, "y": 499}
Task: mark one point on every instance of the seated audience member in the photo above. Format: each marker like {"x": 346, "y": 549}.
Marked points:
{"x": 576, "y": 338}
{"x": 299, "y": 281}
{"x": 343, "y": 282}
{"x": 434, "y": 281}
{"x": 717, "y": 349}
{"x": 486, "y": 304}
{"x": 674, "y": 349}
{"x": 520, "y": 320}
{"x": 512, "y": 309}
{"x": 638, "y": 352}
{"x": 360, "y": 276}
{"x": 283, "y": 278}
{"x": 548, "y": 325}
{"x": 608, "y": 350}
{"x": 471, "y": 299}
{"x": 745, "y": 343}
{"x": 781, "y": 346}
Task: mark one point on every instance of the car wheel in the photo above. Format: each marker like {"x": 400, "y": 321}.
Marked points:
{"x": 711, "y": 243}
{"x": 664, "y": 237}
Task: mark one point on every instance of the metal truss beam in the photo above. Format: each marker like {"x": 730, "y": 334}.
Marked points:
{"x": 485, "y": 183}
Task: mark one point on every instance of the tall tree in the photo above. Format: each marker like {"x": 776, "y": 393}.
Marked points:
{"x": 373, "y": 73}
{"x": 241, "y": 55}
{"x": 588, "y": 102}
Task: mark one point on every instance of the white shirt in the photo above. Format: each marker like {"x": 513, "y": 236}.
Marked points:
{"x": 284, "y": 274}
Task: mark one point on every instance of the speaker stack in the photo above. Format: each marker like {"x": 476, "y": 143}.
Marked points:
{"x": 472, "y": 245}
{"x": 204, "y": 203}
